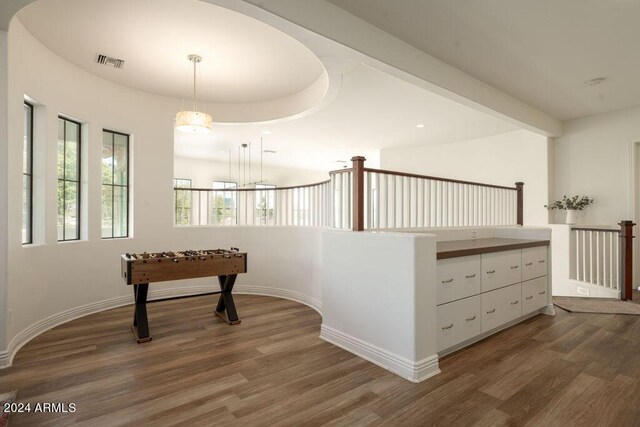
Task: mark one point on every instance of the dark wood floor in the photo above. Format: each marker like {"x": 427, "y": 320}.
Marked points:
{"x": 568, "y": 369}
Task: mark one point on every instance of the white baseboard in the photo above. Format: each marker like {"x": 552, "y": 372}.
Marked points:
{"x": 570, "y": 287}
{"x": 549, "y": 310}
{"x": 280, "y": 293}
{"x": 29, "y": 333}
{"x": 5, "y": 359}
{"x": 413, "y": 371}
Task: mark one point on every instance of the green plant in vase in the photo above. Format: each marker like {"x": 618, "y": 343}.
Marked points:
{"x": 571, "y": 205}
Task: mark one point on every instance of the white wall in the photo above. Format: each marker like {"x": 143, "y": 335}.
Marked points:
{"x": 379, "y": 298}
{"x": 502, "y": 160}
{"x": 50, "y": 278}
{"x": 204, "y": 172}
{"x": 4, "y": 139}
{"x": 593, "y": 157}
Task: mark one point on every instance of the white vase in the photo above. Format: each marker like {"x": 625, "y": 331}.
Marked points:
{"x": 571, "y": 216}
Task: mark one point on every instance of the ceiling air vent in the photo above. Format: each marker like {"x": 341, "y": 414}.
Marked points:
{"x": 108, "y": 60}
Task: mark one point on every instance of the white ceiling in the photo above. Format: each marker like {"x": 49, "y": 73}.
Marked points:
{"x": 540, "y": 51}
{"x": 372, "y": 111}
{"x": 244, "y": 60}
{"x": 364, "y": 110}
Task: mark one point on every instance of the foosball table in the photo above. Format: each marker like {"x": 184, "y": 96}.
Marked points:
{"x": 141, "y": 269}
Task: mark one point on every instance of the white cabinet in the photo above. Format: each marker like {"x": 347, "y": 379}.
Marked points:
{"x": 457, "y": 278}
{"x": 501, "y": 306}
{"x": 534, "y": 262}
{"x": 458, "y": 321}
{"x": 501, "y": 269}
{"x": 534, "y": 294}
{"x": 478, "y": 294}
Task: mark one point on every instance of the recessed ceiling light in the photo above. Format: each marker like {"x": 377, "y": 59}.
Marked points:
{"x": 266, "y": 132}
{"x": 222, "y": 151}
{"x": 419, "y": 125}
{"x": 596, "y": 81}
{"x": 342, "y": 146}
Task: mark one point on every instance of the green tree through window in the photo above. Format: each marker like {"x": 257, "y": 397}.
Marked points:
{"x": 224, "y": 204}
{"x": 27, "y": 176}
{"x": 69, "y": 145}
{"x": 183, "y": 201}
{"x": 115, "y": 185}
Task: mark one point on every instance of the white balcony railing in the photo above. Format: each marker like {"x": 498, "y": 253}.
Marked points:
{"x": 386, "y": 199}
{"x": 306, "y": 205}
{"x": 595, "y": 256}
{"x": 399, "y": 200}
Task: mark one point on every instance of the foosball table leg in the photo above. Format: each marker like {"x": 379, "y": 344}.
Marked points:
{"x": 140, "y": 326}
{"x": 225, "y": 302}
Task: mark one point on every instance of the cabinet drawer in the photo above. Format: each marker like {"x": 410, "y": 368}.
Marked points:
{"x": 534, "y": 294}
{"x": 458, "y": 321}
{"x": 457, "y": 278}
{"x": 500, "y": 269}
{"x": 534, "y": 262}
{"x": 501, "y": 306}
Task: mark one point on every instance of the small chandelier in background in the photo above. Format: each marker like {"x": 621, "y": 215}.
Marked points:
{"x": 194, "y": 121}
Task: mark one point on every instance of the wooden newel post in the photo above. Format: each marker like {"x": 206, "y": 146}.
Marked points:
{"x": 520, "y": 213}
{"x": 358, "y": 193}
{"x": 626, "y": 259}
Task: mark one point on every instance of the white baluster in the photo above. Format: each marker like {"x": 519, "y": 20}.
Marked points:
{"x": 597, "y": 258}
{"x": 577, "y": 233}
{"x": 426, "y": 202}
{"x": 590, "y": 256}
{"x": 614, "y": 265}
{"x": 439, "y": 204}
{"x": 416, "y": 203}
{"x": 377, "y": 201}
{"x": 387, "y": 198}
{"x": 583, "y": 253}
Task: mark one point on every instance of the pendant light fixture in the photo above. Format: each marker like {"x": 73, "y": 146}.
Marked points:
{"x": 194, "y": 121}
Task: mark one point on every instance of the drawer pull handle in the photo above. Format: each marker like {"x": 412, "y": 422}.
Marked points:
{"x": 541, "y": 261}
{"x": 531, "y": 297}
{"x": 542, "y": 293}
{"x": 471, "y": 318}
{"x": 471, "y": 276}
{"x": 447, "y": 281}
{"x": 491, "y": 272}
{"x": 491, "y": 311}
{"x": 515, "y": 302}
{"x": 528, "y": 264}
{"x": 513, "y": 267}
{"x": 448, "y": 327}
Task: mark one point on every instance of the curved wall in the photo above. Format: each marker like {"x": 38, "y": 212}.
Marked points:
{"x": 51, "y": 282}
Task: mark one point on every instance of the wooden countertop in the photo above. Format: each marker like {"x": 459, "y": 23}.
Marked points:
{"x": 458, "y": 248}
